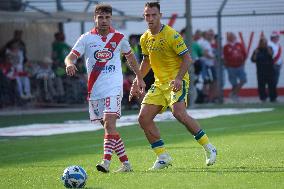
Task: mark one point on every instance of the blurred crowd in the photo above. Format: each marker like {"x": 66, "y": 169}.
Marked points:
{"x": 44, "y": 82}
{"x": 267, "y": 56}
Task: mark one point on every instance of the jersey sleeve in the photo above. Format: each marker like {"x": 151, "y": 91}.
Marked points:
{"x": 79, "y": 47}
{"x": 143, "y": 45}
{"x": 177, "y": 43}
{"x": 125, "y": 47}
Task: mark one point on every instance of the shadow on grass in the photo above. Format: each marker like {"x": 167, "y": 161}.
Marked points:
{"x": 217, "y": 170}
{"x": 233, "y": 170}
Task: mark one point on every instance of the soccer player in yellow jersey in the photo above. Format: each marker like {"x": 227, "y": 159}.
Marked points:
{"x": 165, "y": 52}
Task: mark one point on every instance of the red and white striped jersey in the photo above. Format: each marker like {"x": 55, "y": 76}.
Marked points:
{"x": 103, "y": 63}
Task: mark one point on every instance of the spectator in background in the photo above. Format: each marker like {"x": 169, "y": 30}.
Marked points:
{"x": 196, "y": 49}
{"x": 44, "y": 76}
{"x": 208, "y": 66}
{"x": 128, "y": 74}
{"x": 7, "y": 67}
{"x": 197, "y": 35}
{"x": 136, "y": 49}
{"x": 3, "y": 85}
{"x": 14, "y": 52}
{"x": 277, "y": 53}
{"x": 196, "y": 54}
{"x": 82, "y": 72}
{"x": 149, "y": 79}
{"x": 198, "y": 64}
{"x": 234, "y": 60}
{"x": 16, "y": 55}
{"x": 8, "y": 85}
{"x": 213, "y": 96}
{"x": 75, "y": 87}
{"x": 127, "y": 83}
{"x": 17, "y": 38}
{"x": 82, "y": 79}
{"x": 213, "y": 41}
{"x": 135, "y": 46}
{"x": 59, "y": 51}
{"x": 263, "y": 57}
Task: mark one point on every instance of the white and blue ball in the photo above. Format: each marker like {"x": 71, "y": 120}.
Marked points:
{"x": 74, "y": 177}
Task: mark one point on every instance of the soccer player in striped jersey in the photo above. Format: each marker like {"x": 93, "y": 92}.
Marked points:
{"x": 165, "y": 52}
{"x": 102, "y": 47}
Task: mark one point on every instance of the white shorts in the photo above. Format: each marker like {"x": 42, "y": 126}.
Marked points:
{"x": 108, "y": 105}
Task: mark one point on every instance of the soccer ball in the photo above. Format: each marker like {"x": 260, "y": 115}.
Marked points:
{"x": 74, "y": 177}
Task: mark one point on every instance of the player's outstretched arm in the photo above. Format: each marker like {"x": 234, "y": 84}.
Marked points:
{"x": 70, "y": 66}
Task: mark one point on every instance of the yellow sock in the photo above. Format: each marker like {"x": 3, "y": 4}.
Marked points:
{"x": 159, "y": 150}
{"x": 202, "y": 138}
{"x": 158, "y": 147}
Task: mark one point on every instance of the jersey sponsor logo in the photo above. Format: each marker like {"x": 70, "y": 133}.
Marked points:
{"x": 104, "y": 69}
{"x": 103, "y": 55}
{"x": 93, "y": 45}
{"x": 109, "y": 69}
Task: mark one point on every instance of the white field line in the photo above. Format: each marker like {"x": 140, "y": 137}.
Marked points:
{"x": 85, "y": 125}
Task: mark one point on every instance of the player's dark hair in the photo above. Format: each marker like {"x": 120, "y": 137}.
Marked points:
{"x": 153, "y": 4}
{"x": 103, "y": 8}
{"x": 182, "y": 31}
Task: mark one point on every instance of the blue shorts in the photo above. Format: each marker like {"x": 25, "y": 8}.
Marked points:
{"x": 237, "y": 75}
{"x": 209, "y": 73}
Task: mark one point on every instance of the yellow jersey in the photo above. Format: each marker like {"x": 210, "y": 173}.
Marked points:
{"x": 164, "y": 50}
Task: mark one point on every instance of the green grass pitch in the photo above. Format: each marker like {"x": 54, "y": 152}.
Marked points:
{"x": 250, "y": 155}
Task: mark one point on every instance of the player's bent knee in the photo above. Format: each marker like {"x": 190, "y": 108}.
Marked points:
{"x": 110, "y": 122}
{"x": 178, "y": 114}
{"x": 141, "y": 119}
{"x": 110, "y": 128}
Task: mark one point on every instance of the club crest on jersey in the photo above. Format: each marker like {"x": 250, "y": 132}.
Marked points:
{"x": 103, "y": 55}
